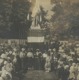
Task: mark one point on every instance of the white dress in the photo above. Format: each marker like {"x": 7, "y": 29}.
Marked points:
{"x": 72, "y": 72}
{"x": 78, "y": 74}
{"x": 1, "y": 78}
{"x": 5, "y": 73}
{"x": 48, "y": 64}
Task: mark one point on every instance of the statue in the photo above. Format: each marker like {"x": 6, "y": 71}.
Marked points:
{"x": 36, "y": 11}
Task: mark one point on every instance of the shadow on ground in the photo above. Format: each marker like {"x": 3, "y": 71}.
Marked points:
{"x": 40, "y": 75}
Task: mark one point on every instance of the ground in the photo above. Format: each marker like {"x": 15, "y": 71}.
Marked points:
{"x": 40, "y": 75}
{"x": 37, "y": 75}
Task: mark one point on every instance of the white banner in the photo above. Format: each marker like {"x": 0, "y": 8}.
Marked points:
{"x": 35, "y": 39}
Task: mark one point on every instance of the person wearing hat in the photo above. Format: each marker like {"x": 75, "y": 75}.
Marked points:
{"x": 37, "y": 60}
{"x": 44, "y": 55}
{"x": 57, "y": 45}
{"x": 23, "y": 59}
{"x": 14, "y": 63}
{"x": 67, "y": 49}
{"x": 4, "y": 56}
{"x": 52, "y": 44}
{"x": 66, "y": 72}
{"x": 6, "y": 75}
{"x": 77, "y": 59}
{"x": 1, "y": 63}
{"x": 15, "y": 53}
{"x": 54, "y": 64}
{"x": 6, "y": 71}
{"x": 17, "y": 66}
{"x": 60, "y": 70}
{"x": 8, "y": 65}
{"x": 22, "y": 53}
{"x": 11, "y": 54}
{"x": 48, "y": 63}
{"x": 1, "y": 78}
{"x": 30, "y": 58}
{"x": 72, "y": 71}
{"x": 78, "y": 71}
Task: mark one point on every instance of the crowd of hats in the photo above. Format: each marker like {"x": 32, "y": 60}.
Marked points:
{"x": 14, "y": 56}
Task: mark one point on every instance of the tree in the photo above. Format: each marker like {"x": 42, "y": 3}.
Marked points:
{"x": 20, "y": 9}
{"x": 5, "y": 12}
{"x": 13, "y": 18}
{"x": 66, "y": 18}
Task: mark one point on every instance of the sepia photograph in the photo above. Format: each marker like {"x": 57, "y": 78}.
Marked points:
{"x": 39, "y": 39}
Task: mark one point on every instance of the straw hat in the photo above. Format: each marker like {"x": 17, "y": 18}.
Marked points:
{"x": 14, "y": 49}
{"x": 49, "y": 50}
{"x": 37, "y": 49}
{"x": 66, "y": 66}
{"x": 1, "y": 78}
{"x": 5, "y": 62}
{"x": 54, "y": 50}
{"x": 64, "y": 55}
{"x": 1, "y": 61}
{"x": 70, "y": 59}
{"x": 73, "y": 64}
{"x": 72, "y": 53}
{"x": 78, "y": 59}
{"x": 61, "y": 50}
{"x": 10, "y": 52}
{"x": 23, "y": 49}
{"x": 3, "y": 56}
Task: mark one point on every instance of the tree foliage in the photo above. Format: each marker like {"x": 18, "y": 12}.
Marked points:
{"x": 66, "y": 18}
{"x": 13, "y": 18}
{"x": 5, "y": 13}
{"x": 20, "y": 9}
{"x": 14, "y": 23}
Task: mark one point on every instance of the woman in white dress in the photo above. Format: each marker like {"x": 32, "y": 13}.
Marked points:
{"x": 78, "y": 72}
{"x": 72, "y": 71}
{"x": 48, "y": 63}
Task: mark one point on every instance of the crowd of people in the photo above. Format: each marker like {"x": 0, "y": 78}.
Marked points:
{"x": 60, "y": 58}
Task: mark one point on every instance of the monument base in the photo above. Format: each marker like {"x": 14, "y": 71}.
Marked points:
{"x": 36, "y": 27}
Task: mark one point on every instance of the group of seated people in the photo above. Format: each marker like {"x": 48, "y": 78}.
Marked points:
{"x": 16, "y": 60}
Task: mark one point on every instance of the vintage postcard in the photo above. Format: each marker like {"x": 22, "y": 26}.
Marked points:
{"x": 39, "y": 39}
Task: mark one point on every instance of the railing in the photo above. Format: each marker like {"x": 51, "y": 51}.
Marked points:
{"x": 18, "y": 41}
{"x": 22, "y": 41}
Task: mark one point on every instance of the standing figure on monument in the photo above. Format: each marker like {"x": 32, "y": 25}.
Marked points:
{"x": 37, "y": 20}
